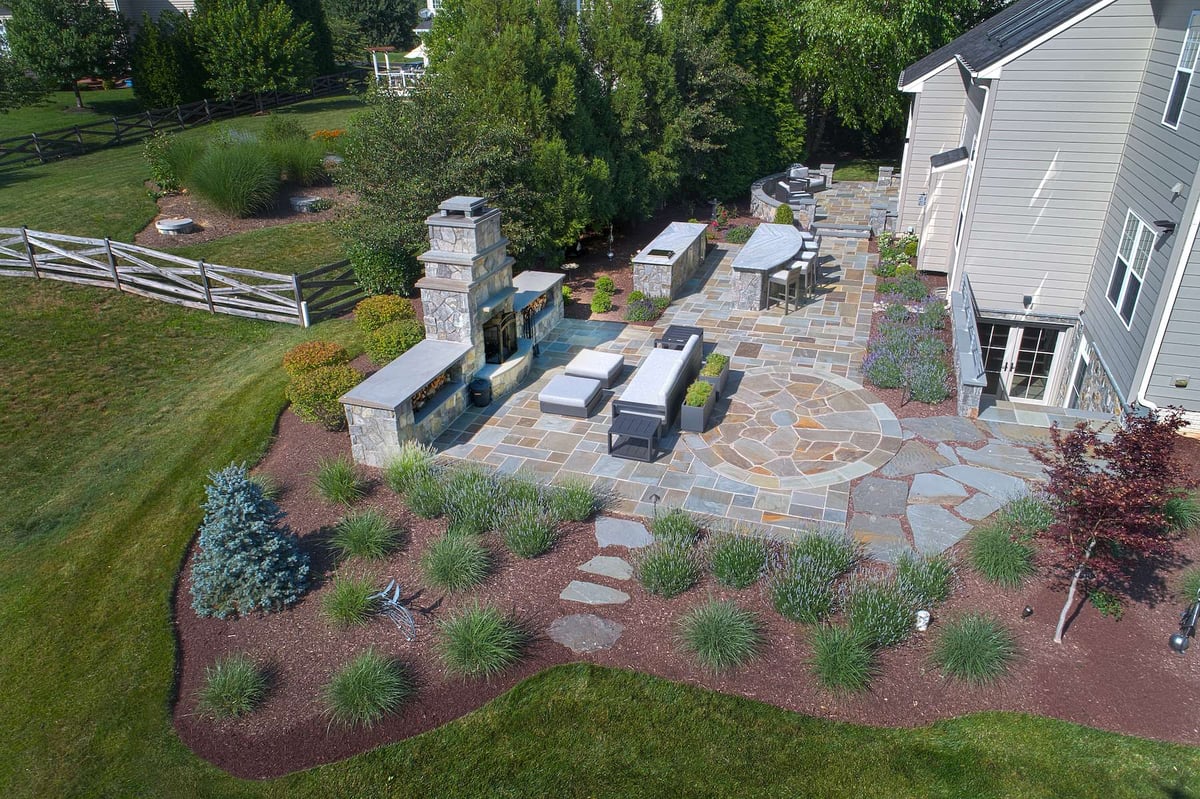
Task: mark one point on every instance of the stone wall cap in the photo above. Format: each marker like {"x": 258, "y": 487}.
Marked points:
{"x": 471, "y": 206}
{"x": 440, "y": 220}
{"x": 395, "y": 383}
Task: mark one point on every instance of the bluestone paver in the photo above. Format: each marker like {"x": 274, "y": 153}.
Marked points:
{"x": 585, "y": 632}
{"x": 605, "y": 566}
{"x": 611, "y": 532}
{"x": 935, "y": 529}
{"x": 593, "y": 594}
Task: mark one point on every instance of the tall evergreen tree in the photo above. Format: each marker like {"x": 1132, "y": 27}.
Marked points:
{"x": 312, "y": 12}
{"x": 65, "y": 40}
{"x": 359, "y": 24}
{"x": 166, "y": 64}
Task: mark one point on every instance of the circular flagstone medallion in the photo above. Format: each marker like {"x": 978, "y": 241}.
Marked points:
{"x": 793, "y": 428}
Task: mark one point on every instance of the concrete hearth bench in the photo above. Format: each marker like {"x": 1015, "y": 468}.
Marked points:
{"x": 657, "y": 387}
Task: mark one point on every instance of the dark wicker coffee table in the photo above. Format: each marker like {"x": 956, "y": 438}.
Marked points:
{"x": 675, "y": 337}
{"x": 636, "y": 437}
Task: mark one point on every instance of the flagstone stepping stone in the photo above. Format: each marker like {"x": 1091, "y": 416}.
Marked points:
{"x": 585, "y": 632}
{"x": 913, "y": 458}
{"x": 882, "y": 537}
{"x": 999, "y": 485}
{"x": 947, "y": 452}
{"x": 945, "y": 428}
{"x": 935, "y": 529}
{"x": 612, "y": 532}
{"x": 593, "y": 594}
{"x": 1004, "y": 458}
{"x": 935, "y": 489}
{"x": 979, "y": 507}
{"x": 881, "y": 497}
{"x": 616, "y": 568}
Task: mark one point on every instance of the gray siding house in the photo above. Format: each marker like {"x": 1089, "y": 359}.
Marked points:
{"x": 1052, "y": 171}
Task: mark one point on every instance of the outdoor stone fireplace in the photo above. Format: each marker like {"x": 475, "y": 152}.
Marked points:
{"x": 473, "y": 329}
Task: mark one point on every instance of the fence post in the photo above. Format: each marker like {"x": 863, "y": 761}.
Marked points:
{"x": 150, "y": 121}
{"x": 301, "y": 305}
{"x": 207, "y": 291}
{"x": 37, "y": 146}
{"x": 207, "y": 111}
{"x": 112, "y": 263}
{"x": 179, "y": 116}
{"x": 78, "y": 137}
{"x": 117, "y": 128}
{"x": 29, "y": 252}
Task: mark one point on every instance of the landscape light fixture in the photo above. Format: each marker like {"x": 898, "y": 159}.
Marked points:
{"x": 610, "y": 243}
{"x": 1177, "y": 190}
{"x": 654, "y": 498}
{"x": 1027, "y": 612}
{"x": 1181, "y": 640}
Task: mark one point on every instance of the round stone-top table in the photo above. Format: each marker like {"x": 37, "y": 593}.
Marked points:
{"x": 793, "y": 428}
{"x": 771, "y": 247}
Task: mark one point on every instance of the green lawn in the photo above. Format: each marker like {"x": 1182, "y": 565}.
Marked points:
{"x": 103, "y": 193}
{"x": 863, "y": 169}
{"x": 287, "y": 249}
{"x": 114, "y": 410}
{"x": 58, "y": 111}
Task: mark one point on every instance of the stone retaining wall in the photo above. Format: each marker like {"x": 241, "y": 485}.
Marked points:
{"x": 763, "y": 205}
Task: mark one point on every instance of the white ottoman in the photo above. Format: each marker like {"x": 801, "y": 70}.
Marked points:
{"x": 570, "y": 396}
{"x": 602, "y": 366}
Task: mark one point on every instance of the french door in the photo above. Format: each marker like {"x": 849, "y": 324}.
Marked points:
{"x": 1018, "y": 361}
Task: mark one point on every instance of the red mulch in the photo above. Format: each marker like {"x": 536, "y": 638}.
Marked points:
{"x": 1112, "y": 675}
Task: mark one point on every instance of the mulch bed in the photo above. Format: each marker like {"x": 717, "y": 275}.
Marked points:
{"x": 1113, "y": 675}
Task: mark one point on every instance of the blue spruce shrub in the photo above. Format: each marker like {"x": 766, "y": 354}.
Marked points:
{"x": 246, "y": 560}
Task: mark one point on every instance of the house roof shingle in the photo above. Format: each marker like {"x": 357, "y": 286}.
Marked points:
{"x": 998, "y": 37}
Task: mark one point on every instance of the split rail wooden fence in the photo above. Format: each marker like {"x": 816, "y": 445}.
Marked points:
{"x": 299, "y": 299}
{"x": 115, "y": 131}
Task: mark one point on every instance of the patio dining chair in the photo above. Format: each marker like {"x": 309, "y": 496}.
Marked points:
{"x": 790, "y": 280}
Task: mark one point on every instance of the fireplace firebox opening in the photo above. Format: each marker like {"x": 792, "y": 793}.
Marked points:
{"x": 500, "y": 337}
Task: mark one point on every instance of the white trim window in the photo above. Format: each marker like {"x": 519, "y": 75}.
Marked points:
{"x": 1137, "y": 240}
{"x": 1183, "y": 72}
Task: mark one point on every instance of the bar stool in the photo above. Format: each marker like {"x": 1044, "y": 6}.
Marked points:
{"x": 790, "y": 279}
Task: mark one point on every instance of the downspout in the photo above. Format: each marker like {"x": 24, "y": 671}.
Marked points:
{"x": 1188, "y": 243}
{"x": 968, "y": 206}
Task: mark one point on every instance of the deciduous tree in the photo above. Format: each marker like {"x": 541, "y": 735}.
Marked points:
{"x": 253, "y": 46}
{"x": 359, "y": 24}
{"x": 1110, "y": 501}
{"x": 16, "y": 88}
{"x": 65, "y": 40}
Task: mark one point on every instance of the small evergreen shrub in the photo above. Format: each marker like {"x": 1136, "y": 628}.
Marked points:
{"x": 634, "y": 296}
{"x": 366, "y": 689}
{"x": 480, "y": 641}
{"x": 925, "y": 579}
{"x": 999, "y": 555}
{"x": 666, "y": 568}
{"x": 737, "y": 559}
{"x": 246, "y": 560}
{"x": 389, "y": 341}
{"x": 414, "y": 460}
{"x": 720, "y": 635}
{"x": 601, "y": 302}
{"x": 527, "y": 529}
{"x": 239, "y": 179}
{"x": 975, "y": 648}
{"x": 676, "y": 526}
{"x": 697, "y": 394}
{"x": 162, "y": 169}
{"x": 426, "y": 495}
{"x": 470, "y": 499}
{"x": 314, "y": 394}
{"x": 339, "y": 481}
{"x": 350, "y": 602}
{"x": 905, "y": 270}
{"x": 232, "y": 687}
{"x": 311, "y": 355}
{"x": 841, "y": 660}
{"x": 739, "y": 234}
{"x": 456, "y": 562}
{"x": 374, "y": 312}
{"x": 572, "y": 500}
{"x": 367, "y": 534}
{"x": 714, "y": 364}
{"x": 380, "y": 268}
{"x": 605, "y": 283}
{"x": 784, "y": 215}
{"x": 879, "y": 612}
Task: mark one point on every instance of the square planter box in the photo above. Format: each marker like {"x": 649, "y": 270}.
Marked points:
{"x": 693, "y": 419}
{"x": 718, "y": 382}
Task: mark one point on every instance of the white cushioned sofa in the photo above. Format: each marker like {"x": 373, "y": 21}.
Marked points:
{"x": 657, "y": 387}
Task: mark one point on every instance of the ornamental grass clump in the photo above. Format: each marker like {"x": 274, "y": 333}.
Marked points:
{"x": 339, "y": 481}
{"x": 246, "y": 559}
{"x": 667, "y": 568}
{"x": 268, "y": 485}
{"x": 366, "y": 689}
{"x": 841, "y": 660}
{"x": 480, "y": 641}
{"x": 413, "y": 460}
{"x": 737, "y": 559}
{"x": 998, "y": 551}
{"x": 1028, "y": 515}
{"x": 676, "y": 526}
{"x": 572, "y": 500}
{"x": 1182, "y": 511}
{"x": 470, "y": 499}
{"x": 720, "y": 635}
{"x": 425, "y": 494}
{"x": 350, "y": 602}
{"x": 300, "y": 161}
{"x": 366, "y": 534}
{"x": 803, "y": 576}
{"x": 315, "y": 394}
{"x": 527, "y": 529}
{"x": 1189, "y": 584}
{"x": 975, "y": 648}
{"x": 925, "y": 579}
{"x": 880, "y": 612}
{"x": 456, "y": 562}
{"x": 311, "y": 355}
{"x": 233, "y": 687}
{"x": 238, "y": 178}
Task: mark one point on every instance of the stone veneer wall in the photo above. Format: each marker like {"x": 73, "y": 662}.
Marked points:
{"x": 375, "y": 433}
{"x": 1098, "y": 394}
{"x": 749, "y": 290}
{"x": 547, "y": 318}
{"x": 763, "y": 205}
{"x": 432, "y": 421}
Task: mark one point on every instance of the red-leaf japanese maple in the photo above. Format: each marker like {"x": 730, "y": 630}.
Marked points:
{"x": 1109, "y": 500}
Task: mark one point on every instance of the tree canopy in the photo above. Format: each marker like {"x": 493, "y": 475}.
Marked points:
{"x": 359, "y": 24}
{"x": 16, "y": 88}
{"x": 253, "y": 46}
{"x": 62, "y": 41}
{"x": 166, "y": 65}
